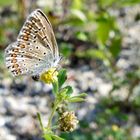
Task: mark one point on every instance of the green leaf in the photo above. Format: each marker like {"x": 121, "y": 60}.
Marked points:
{"x": 65, "y": 93}
{"x": 55, "y": 137}
{"x": 6, "y": 2}
{"x": 128, "y": 2}
{"x": 105, "y": 3}
{"x": 62, "y": 77}
{"x": 82, "y": 36}
{"x": 47, "y": 137}
{"x": 120, "y": 3}
{"x": 76, "y": 99}
{"x": 105, "y": 23}
{"x": 78, "y": 14}
{"x": 40, "y": 121}
{"x": 81, "y": 95}
{"x": 69, "y": 90}
{"x": 115, "y": 47}
{"x": 55, "y": 87}
{"x": 62, "y": 94}
{"x": 92, "y": 53}
{"x": 103, "y": 32}
{"x": 77, "y": 4}
{"x": 66, "y": 49}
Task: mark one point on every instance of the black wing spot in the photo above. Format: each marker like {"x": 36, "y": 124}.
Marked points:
{"x": 44, "y": 53}
{"x": 36, "y": 31}
{"x": 45, "y": 37}
{"x": 39, "y": 59}
{"x": 36, "y": 47}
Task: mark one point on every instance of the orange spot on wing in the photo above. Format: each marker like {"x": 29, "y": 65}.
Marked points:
{"x": 18, "y": 71}
{"x": 15, "y": 50}
{"x": 25, "y": 38}
{"x": 27, "y": 31}
{"x": 22, "y": 46}
{"x": 13, "y": 55}
{"x": 13, "y": 60}
{"x": 33, "y": 20}
{"x": 15, "y": 66}
{"x": 28, "y": 25}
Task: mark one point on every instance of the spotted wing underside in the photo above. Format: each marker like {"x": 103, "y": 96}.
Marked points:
{"x": 35, "y": 48}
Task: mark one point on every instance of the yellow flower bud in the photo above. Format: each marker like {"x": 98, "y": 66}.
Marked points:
{"x": 49, "y": 76}
{"x": 115, "y": 128}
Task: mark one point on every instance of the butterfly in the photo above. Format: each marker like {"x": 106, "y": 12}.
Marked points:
{"x": 35, "y": 49}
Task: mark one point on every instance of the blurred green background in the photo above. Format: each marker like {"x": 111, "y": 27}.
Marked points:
{"x": 100, "y": 40}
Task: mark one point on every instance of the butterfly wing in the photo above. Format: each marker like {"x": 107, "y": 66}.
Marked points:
{"x": 38, "y": 29}
{"x": 27, "y": 60}
{"x": 35, "y": 48}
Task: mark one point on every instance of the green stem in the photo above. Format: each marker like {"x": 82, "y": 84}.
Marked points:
{"x": 55, "y": 89}
{"x": 40, "y": 121}
{"x": 52, "y": 114}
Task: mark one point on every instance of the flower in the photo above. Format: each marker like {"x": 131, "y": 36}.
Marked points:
{"x": 115, "y": 128}
{"x": 49, "y": 76}
{"x": 68, "y": 121}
